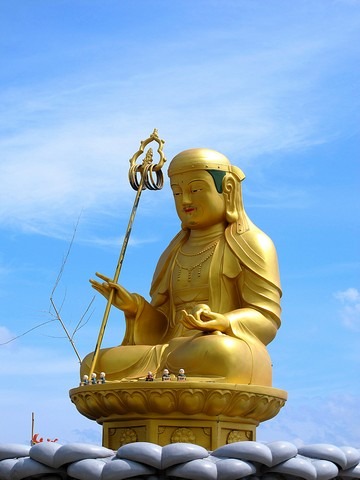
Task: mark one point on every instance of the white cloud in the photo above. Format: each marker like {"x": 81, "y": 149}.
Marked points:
{"x": 69, "y": 142}
{"x": 44, "y": 356}
{"x": 351, "y": 295}
{"x": 22, "y": 360}
{"x": 5, "y": 335}
{"x": 316, "y": 420}
{"x": 350, "y": 310}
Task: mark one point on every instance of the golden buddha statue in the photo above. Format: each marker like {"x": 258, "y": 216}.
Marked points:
{"x": 215, "y": 295}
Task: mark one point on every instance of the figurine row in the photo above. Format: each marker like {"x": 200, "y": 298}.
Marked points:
{"x": 150, "y": 377}
{"x": 93, "y": 380}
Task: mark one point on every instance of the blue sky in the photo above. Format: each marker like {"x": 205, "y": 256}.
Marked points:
{"x": 274, "y": 85}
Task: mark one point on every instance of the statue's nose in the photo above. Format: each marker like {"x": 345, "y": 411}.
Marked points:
{"x": 186, "y": 198}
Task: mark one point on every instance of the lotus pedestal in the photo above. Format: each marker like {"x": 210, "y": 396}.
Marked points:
{"x": 208, "y": 414}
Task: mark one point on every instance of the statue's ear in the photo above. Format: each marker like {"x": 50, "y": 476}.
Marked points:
{"x": 229, "y": 191}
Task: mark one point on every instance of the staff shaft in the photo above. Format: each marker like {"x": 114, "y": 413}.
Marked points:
{"x": 116, "y": 276}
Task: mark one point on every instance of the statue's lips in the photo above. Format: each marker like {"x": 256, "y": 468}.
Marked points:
{"x": 189, "y": 209}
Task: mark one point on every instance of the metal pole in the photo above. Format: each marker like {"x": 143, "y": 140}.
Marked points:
{"x": 32, "y": 427}
{"x": 146, "y": 171}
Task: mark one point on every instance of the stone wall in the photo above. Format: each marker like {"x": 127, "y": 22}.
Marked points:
{"x": 251, "y": 460}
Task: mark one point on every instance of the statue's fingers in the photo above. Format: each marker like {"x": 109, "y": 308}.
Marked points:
{"x": 185, "y": 315}
{"x": 100, "y": 287}
{"x": 192, "y": 321}
{"x": 100, "y": 290}
{"x": 185, "y": 320}
{"x": 198, "y": 315}
{"x": 118, "y": 287}
{"x": 207, "y": 316}
{"x": 121, "y": 292}
{"x": 95, "y": 284}
{"x": 103, "y": 277}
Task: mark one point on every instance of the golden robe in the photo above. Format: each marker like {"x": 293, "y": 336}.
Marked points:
{"x": 243, "y": 284}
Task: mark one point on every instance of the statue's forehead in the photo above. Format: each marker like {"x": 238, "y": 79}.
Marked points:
{"x": 185, "y": 178}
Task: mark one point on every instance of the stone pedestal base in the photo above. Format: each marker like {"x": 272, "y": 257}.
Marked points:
{"x": 204, "y": 413}
{"x": 209, "y": 434}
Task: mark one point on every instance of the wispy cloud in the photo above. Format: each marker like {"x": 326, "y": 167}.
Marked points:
{"x": 328, "y": 419}
{"x": 5, "y": 335}
{"x": 24, "y": 360}
{"x": 67, "y": 142}
{"x": 350, "y": 308}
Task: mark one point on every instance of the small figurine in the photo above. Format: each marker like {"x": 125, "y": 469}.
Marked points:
{"x": 84, "y": 381}
{"x": 102, "y": 378}
{"x": 166, "y": 375}
{"x": 149, "y": 377}
{"x": 93, "y": 378}
{"x": 181, "y": 376}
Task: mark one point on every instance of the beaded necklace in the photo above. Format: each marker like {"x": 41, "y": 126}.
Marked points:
{"x": 209, "y": 250}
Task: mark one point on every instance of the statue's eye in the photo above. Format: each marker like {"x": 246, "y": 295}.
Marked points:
{"x": 196, "y": 187}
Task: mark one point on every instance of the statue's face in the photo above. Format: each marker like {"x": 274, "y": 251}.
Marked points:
{"x": 197, "y": 201}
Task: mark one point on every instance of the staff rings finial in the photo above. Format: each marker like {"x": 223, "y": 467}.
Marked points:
{"x": 142, "y": 175}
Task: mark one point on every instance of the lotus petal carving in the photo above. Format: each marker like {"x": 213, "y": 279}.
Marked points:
{"x": 191, "y": 398}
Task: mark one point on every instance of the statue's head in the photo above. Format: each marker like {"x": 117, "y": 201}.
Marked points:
{"x": 217, "y": 169}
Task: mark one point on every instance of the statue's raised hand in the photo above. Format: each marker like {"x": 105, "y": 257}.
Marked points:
{"x": 122, "y": 299}
{"x": 202, "y": 318}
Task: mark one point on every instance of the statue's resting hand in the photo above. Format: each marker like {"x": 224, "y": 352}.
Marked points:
{"x": 202, "y": 318}
{"x": 122, "y": 299}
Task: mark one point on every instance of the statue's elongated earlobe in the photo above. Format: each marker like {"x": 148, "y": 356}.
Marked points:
{"x": 230, "y": 191}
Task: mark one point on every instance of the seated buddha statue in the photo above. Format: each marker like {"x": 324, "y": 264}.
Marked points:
{"x": 215, "y": 294}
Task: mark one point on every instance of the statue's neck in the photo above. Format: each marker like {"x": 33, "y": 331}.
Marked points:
{"x": 206, "y": 235}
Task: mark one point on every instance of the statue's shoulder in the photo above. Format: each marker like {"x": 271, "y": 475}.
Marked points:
{"x": 256, "y": 251}
{"x": 258, "y": 240}
{"x": 253, "y": 241}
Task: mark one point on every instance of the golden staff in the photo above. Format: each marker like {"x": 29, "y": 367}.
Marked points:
{"x": 141, "y": 177}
